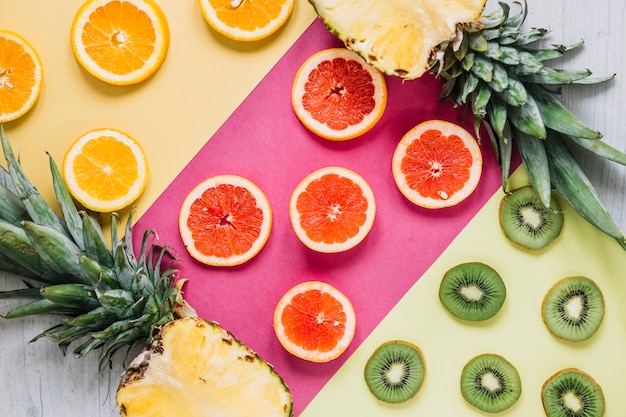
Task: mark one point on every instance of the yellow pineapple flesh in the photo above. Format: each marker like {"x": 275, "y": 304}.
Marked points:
{"x": 196, "y": 368}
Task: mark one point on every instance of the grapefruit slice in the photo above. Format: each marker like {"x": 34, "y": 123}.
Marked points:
{"x": 315, "y": 321}
{"x": 437, "y": 164}
{"x": 332, "y": 209}
{"x": 337, "y": 95}
{"x": 225, "y": 221}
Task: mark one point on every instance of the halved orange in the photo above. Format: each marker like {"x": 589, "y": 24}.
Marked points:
{"x": 332, "y": 209}
{"x": 315, "y": 321}
{"x": 21, "y": 76}
{"x": 337, "y": 95}
{"x": 225, "y": 220}
{"x": 105, "y": 170}
{"x": 246, "y": 20}
{"x": 437, "y": 164}
{"x": 121, "y": 42}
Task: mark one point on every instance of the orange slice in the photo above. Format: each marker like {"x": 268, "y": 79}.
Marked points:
{"x": 332, "y": 209}
{"x": 21, "y": 76}
{"x": 225, "y": 221}
{"x": 120, "y": 42}
{"x": 105, "y": 170}
{"x": 337, "y": 95}
{"x": 246, "y": 20}
{"x": 315, "y": 321}
{"x": 437, "y": 164}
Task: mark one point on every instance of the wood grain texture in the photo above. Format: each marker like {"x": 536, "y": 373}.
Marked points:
{"x": 37, "y": 380}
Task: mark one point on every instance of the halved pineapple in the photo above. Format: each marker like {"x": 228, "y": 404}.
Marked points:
{"x": 196, "y": 368}
{"x": 397, "y": 36}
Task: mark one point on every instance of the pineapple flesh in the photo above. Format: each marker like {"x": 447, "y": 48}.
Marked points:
{"x": 494, "y": 68}
{"x": 196, "y": 368}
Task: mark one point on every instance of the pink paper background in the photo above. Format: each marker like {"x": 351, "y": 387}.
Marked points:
{"x": 264, "y": 141}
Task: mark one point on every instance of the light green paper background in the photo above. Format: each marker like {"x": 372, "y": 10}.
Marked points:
{"x": 517, "y": 332}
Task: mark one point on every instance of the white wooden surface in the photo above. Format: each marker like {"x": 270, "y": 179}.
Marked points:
{"x": 36, "y": 380}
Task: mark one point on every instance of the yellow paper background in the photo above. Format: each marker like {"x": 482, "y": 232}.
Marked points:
{"x": 517, "y": 332}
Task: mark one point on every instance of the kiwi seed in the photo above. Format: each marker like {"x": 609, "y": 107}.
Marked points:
{"x": 490, "y": 383}
{"x": 572, "y": 392}
{"x": 395, "y": 371}
{"x": 527, "y": 222}
{"x": 573, "y": 308}
{"x": 472, "y": 291}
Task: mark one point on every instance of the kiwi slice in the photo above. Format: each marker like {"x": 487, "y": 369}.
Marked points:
{"x": 472, "y": 291}
{"x": 572, "y": 393}
{"x": 526, "y": 221}
{"x": 573, "y": 308}
{"x": 490, "y": 383}
{"x": 395, "y": 371}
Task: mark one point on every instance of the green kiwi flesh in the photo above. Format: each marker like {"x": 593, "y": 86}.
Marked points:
{"x": 395, "y": 371}
{"x": 572, "y": 393}
{"x": 527, "y": 222}
{"x": 472, "y": 291}
{"x": 490, "y": 383}
{"x": 573, "y": 308}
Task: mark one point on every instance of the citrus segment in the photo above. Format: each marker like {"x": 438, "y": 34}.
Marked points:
{"x": 225, "y": 221}
{"x": 338, "y": 96}
{"x": 332, "y": 209}
{"x": 21, "y": 76}
{"x": 437, "y": 164}
{"x": 246, "y": 20}
{"x": 315, "y": 321}
{"x": 105, "y": 170}
{"x": 120, "y": 42}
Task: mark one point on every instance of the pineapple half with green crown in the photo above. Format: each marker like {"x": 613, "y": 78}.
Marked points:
{"x": 108, "y": 299}
{"x": 494, "y": 68}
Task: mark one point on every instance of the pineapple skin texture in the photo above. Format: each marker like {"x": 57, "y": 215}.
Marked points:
{"x": 397, "y": 37}
{"x": 194, "y": 367}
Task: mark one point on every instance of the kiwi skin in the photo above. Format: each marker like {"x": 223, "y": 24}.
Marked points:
{"x": 553, "y": 316}
{"x": 532, "y": 237}
{"x": 386, "y": 356}
{"x": 573, "y": 378}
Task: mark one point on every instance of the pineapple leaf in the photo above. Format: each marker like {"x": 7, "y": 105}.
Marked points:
{"x": 95, "y": 245}
{"x": 533, "y": 153}
{"x": 527, "y": 119}
{"x": 600, "y": 148}
{"x": 70, "y": 214}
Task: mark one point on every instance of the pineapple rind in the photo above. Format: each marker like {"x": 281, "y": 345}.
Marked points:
{"x": 412, "y": 29}
{"x": 195, "y": 367}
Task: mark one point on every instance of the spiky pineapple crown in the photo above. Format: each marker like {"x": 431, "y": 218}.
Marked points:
{"x": 108, "y": 297}
{"x": 495, "y": 69}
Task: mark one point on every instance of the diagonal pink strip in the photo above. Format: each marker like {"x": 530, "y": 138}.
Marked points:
{"x": 264, "y": 141}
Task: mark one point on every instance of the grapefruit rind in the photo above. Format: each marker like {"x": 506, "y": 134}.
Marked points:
{"x": 150, "y": 66}
{"x": 321, "y": 129}
{"x": 315, "y": 355}
{"x": 36, "y": 87}
{"x": 92, "y": 202}
{"x": 446, "y": 128}
{"x": 336, "y": 247}
{"x": 210, "y": 16}
{"x": 261, "y": 201}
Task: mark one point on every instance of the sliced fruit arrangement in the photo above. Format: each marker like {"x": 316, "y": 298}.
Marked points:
{"x": 494, "y": 67}
{"x": 246, "y": 20}
{"x": 315, "y": 321}
{"x": 472, "y": 291}
{"x": 437, "y": 164}
{"x": 218, "y": 376}
{"x": 225, "y": 220}
{"x": 332, "y": 210}
{"x": 337, "y": 96}
{"x": 395, "y": 372}
{"x": 490, "y": 383}
{"x": 120, "y": 42}
{"x": 526, "y": 221}
{"x": 105, "y": 170}
{"x": 573, "y": 308}
{"x": 572, "y": 392}
{"x": 21, "y": 76}
{"x": 110, "y": 300}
